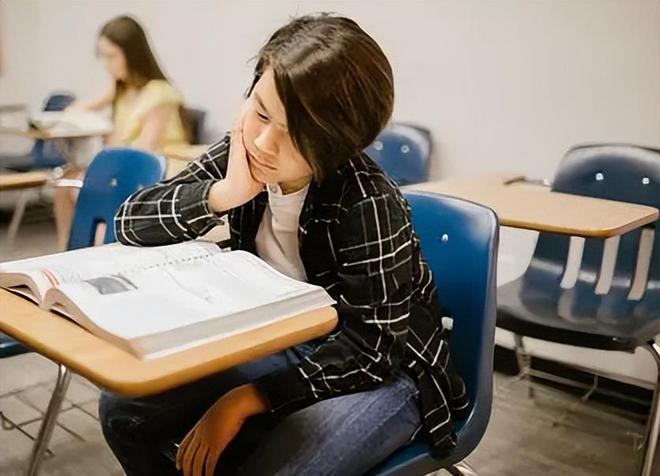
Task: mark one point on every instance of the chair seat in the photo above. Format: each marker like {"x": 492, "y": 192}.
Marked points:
{"x": 9, "y": 347}
{"x": 417, "y": 458}
{"x": 579, "y": 317}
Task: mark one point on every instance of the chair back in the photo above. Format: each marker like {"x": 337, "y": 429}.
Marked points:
{"x": 459, "y": 241}
{"x": 403, "y": 151}
{"x": 196, "y": 119}
{"x": 631, "y": 301}
{"x": 113, "y": 175}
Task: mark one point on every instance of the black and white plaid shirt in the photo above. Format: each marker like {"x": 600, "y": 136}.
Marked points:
{"x": 356, "y": 240}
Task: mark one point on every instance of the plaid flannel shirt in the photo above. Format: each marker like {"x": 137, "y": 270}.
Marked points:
{"x": 356, "y": 241}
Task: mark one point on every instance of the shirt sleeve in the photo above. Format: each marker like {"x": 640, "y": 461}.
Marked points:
{"x": 175, "y": 209}
{"x": 374, "y": 250}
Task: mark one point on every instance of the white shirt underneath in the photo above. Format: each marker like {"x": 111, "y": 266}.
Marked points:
{"x": 277, "y": 237}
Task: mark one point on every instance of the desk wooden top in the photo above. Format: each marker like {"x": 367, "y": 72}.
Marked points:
{"x": 115, "y": 369}
{"x": 54, "y": 133}
{"x": 534, "y": 207}
{"x": 28, "y": 133}
{"x": 19, "y": 180}
{"x": 184, "y": 152}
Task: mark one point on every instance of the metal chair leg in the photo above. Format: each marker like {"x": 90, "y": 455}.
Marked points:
{"x": 462, "y": 469}
{"x": 524, "y": 363}
{"x": 17, "y": 217}
{"x": 653, "y": 424}
{"x": 50, "y": 419}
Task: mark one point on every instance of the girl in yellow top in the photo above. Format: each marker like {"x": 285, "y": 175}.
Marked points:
{"x": 147, "y": 111}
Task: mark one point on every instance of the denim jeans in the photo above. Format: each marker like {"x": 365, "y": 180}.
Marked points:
{"x": 345, "y": 435}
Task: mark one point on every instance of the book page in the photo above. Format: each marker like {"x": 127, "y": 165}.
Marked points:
{"x": 70, "y": 266}
{"x": 73, "y": 121}
{"x": 145, "y": 302}
{"x": 30, "y": 283}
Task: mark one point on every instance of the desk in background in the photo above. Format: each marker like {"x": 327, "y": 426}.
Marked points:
{"x": 534, "y": 207}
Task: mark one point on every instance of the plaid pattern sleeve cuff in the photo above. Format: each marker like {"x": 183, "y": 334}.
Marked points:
{"x": 192, "y": 204}
{"x": 285, "y": 390}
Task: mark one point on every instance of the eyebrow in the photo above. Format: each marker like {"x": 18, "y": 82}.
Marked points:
{"x": 262, "y": 106}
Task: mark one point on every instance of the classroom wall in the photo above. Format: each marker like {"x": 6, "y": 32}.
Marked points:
{"x": 503, "y": 85}
{"x": 506, "y": 84}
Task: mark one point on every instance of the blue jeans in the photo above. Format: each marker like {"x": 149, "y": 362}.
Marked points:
{"x": 345, "y": 436}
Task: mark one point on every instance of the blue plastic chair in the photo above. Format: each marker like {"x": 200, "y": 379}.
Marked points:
{"x": 44, "y": 154}
{"x": 196, "y": 119}
{"x": 113, "y": 175}
{"x": 459, "y": 241}
{"x": 623, "y": 314}
{"x": 403, "y": 151}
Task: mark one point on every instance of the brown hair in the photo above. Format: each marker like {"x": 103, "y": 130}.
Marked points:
{"x": 335, "y": 84}
{"x": 142, "y": 67}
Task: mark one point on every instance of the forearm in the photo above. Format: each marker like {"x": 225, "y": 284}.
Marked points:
{"x": 165, "y": 214}
{"x": 176, "y": 209}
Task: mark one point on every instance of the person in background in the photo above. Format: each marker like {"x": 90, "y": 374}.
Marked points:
{"x": 147, "y": 111}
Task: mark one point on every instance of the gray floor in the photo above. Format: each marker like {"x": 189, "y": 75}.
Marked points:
{"x": 553, "y": 434}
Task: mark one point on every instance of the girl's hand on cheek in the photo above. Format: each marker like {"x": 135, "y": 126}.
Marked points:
{"x": 239, "y": 186}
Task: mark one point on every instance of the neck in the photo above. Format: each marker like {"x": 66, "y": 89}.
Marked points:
{"x": 293, "y": 186}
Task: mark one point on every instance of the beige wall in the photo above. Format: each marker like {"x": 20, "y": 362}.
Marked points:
{"x": 501, "y": 84}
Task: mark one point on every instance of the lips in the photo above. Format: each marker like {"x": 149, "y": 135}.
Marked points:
{"x": 259, "y": 163}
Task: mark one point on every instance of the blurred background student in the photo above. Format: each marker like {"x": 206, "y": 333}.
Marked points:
{"x": 147, "y": 111}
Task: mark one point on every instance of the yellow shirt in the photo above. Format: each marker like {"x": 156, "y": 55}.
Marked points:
{"x": 129, "y": 116}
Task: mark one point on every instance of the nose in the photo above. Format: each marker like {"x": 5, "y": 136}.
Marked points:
{"x": 266, "y": 142}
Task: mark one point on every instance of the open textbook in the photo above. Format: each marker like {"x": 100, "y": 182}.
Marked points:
{"x": 71, "y": 122}
{"x": 157, "y": 300}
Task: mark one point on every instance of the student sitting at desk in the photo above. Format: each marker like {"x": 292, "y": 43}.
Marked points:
{"x": 147, "y": 112}
{"x": 322, "y": 91}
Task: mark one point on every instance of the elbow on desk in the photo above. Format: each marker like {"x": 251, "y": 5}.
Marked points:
{"x": 146, "y": 234}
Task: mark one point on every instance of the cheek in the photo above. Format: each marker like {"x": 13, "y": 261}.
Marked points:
{"x": 298, "y": 164}
{"x": 116, "y": 68}
{"x": 250, "y": 130}
{"x": 123, "y": 68}
{"x": 107, "y": 64}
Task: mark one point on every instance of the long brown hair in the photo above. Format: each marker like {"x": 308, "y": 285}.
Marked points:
{"x": 336, "y": 86}
{"x": 141, "y": 64}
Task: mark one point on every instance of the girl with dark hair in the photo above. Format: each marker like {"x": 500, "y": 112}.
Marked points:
{"x": 147, "y": 112}
{"x": 299, "y": 192}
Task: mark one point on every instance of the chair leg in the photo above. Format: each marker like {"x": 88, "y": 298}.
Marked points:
{"x": 50, "y": 419}
{"x": 17, "y": 217}
{"x": 462, "y": 469}
{"x": 524, "y": 363}
{"x": 653, "y": 424}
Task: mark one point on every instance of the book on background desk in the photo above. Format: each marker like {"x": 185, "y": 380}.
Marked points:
{"x": 71, "y": 122}
{"x": 153, "y": 301}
